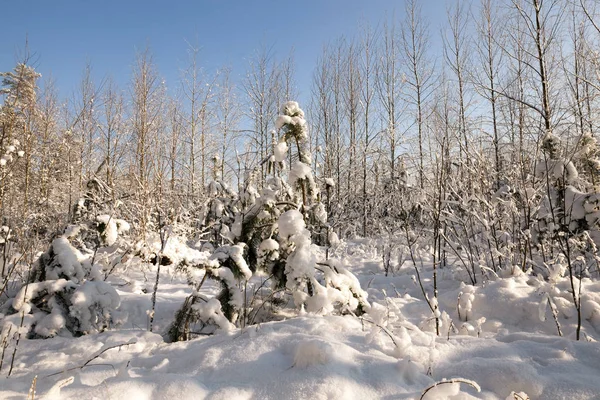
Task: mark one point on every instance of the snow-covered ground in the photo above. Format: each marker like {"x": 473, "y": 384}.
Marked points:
{"x": 499, "y": 342}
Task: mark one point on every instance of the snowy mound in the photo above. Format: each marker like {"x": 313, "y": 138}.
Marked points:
{"x": 304, "y": 358}
{"x": 310, "y": 357}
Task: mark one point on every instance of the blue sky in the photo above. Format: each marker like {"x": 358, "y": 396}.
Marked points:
{"x": 65, "y": 34}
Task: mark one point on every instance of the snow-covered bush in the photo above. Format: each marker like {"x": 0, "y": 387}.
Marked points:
{"x": 66, "y": 292}
{"x": 568, "y": 229}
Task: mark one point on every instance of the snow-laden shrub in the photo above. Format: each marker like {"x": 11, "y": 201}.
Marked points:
{"x": 66, "y": 293}
{"x": 568, "y": 226}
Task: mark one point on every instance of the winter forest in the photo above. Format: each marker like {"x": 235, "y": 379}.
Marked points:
{"x": 424, "y": 226}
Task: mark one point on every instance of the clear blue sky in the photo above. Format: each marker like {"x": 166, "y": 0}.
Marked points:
{"x": 65, "y": 33}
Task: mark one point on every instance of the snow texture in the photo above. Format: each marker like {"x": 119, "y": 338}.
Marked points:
{"x": 491, "y": 333}
{"x": 92, "y": 302}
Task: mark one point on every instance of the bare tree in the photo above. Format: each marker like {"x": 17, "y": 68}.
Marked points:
{"x": 147, "y": 95}
{"x": 419, "y": 77}
{"x": 261, "y": 87}
{"x": 322, "y": 113}
{"x": 198, "y": 93}
{"x": 48, "y": 140}
{"x": 175, "y": 148}
{"x": 228, "y": 117}
{"x": 490, "y": 39}
{"x": 367, "y": 95}
{"x": 112, "y": 130}
{"x": 351, "y": 92}
{"x": 456, "y": 52}
{"x": 541, "y": 24}
{"x": 389, "y": 86}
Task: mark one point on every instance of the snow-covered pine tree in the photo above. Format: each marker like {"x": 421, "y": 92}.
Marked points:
{"x": 272, "y": 236}
{"x": 217, "y": 214}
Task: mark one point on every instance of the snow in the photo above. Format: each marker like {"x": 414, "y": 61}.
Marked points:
{"x": 30, "y": 291}
{"x": 269, "y": 245}
{"x": 283, "y": 120}
{"x": 333, "y": 239}
{"x": 49, "y": 325}
{"x": 122, "y": 226}
{"x": 226, "y": 275}
{"x": 312, "y": 352}
{"x": 211, "y": 311}
{"x": 178, "y": 251}
{"x": 291, "y": 223}
{"x": 93, "y": 299}
{"x": 234, "y": 252}
{"x": 390, "y": 352}
{"x": 268, "y": 250}
{"x": 557, "y": 169}
{"x": 280, "y": 151}
{"x": 111, "y": 231}
{"x": 292, "y": 115}
{"x": 300, "y": 171}
{"x": 69, "y": 261}
{"x": 443, "y": 391}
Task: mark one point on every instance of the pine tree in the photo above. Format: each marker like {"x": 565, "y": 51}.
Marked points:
{"x": 271, "y": 236}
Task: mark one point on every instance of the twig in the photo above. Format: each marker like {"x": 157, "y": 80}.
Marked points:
{"x": 555, "y": 315}
{"x": 454, "y": 380}
{"x": 5, "y": 343}
{"x": 164, "y": 237}
{"x": 31, "y": 394}
{"x": 14, "y": 354}
{"x": 87, "y": 363}
{"x": 117, "y": 263}
{"x": 387, "y": 332}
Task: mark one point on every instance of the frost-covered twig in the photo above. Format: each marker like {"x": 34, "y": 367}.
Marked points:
{"x": 459, "y": 256}
{"x": 517, "y": 396}
{"x": 414, "y": 261}
{"x": 255, "y": 294}
{"x": 13, "y": 269}
{"x": 555, "y": 315}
